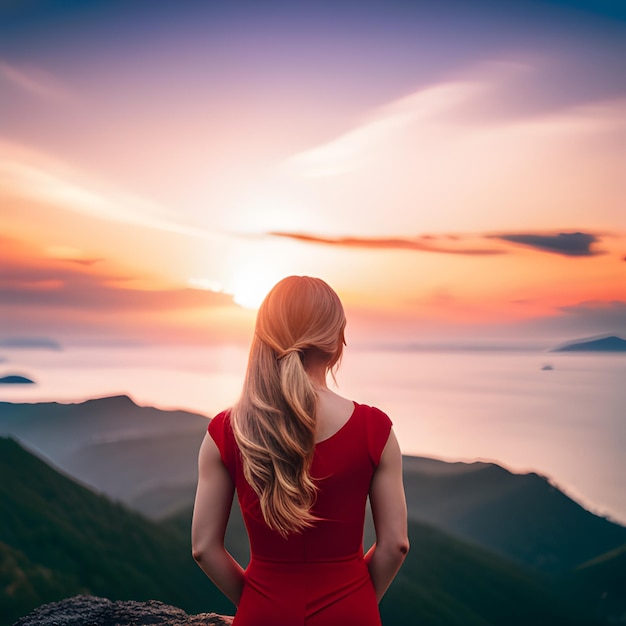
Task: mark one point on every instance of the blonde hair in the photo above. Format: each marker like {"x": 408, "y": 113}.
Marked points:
{"x": 274, "y": 420}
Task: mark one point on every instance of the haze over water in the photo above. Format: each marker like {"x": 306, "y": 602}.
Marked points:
{"x": 567, "y": 423}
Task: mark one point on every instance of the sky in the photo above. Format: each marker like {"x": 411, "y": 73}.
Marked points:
{"x": 454, "y": 170}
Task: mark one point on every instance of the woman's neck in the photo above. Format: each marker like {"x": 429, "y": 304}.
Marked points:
{"x": 316, "y": 369}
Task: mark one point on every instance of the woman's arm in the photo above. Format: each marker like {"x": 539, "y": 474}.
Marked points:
{"x": 390, "y": 519}
{"x": 214, "y": 498}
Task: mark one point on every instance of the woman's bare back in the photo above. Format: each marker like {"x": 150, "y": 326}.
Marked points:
{"x": 333, "y": 412}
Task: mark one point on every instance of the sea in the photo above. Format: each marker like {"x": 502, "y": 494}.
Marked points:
{"x": 560, "y": 414}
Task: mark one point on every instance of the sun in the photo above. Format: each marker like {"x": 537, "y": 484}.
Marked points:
{"x": 251, "y": 284}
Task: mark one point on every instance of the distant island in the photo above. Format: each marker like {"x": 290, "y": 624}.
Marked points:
{"x": 28, "y": 343}
{"x": 605, "y": 344}
{"x": 16, "y": 379}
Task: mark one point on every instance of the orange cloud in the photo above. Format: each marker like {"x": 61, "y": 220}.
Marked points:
{"x": 392, "y": 243}
{"x": 49, "y": 296}
{"x": 568, "y": 244}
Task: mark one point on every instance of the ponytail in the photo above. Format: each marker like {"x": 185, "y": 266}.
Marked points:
{"x": 274, "y": 420}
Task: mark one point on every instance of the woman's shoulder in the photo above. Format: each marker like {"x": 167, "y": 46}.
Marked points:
{"x": 377, "y": 426}
{"x": 222, "y": 434}
{"x": 220, "y": 428}
{"x": 372, "y": 413}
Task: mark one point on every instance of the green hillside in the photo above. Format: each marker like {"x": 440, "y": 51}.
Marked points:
{"x": 140, "y": 455}
{"x": 57, "y": 538}
{"x": 236, "y": 539}
{"x": 601, "y": 583}
{"x": 520, "y": 516}
{"x": 446, "y": 582}
{"x": 25, "y": 584}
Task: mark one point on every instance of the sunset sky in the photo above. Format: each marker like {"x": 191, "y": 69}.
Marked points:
{"x": 455, "y": 170}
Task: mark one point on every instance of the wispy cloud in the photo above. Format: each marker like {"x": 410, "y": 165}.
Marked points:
{"x": 45, "y": 297}
{"x": 578, "y": 320}
{"x": 56, "y": 288}
{"x": 33, "y": 80}
{"x": 71, "y": 255}
{"x": 608, "y": 315}
{"x": 568, "y": 244}
{"x": 26, "y": 174}
{"x": 354, "y": 149}
{"x": 576, "y": 244}
{"x": 483, "y": 96}
{"x": 45, "y": 283}
{"x": 461, "y": 154}
{"x": 425, "y": 243}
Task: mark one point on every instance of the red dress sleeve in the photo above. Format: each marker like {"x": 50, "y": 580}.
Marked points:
{"x": 378, "y": 427}
{"x": 222, "y": 433}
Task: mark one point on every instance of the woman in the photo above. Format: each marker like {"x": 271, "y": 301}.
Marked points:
{"x": 303, "y": 461}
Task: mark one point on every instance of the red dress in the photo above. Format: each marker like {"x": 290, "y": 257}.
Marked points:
{"x": 317, "y": 577}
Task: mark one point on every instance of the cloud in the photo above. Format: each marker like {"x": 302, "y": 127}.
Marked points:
{"x": 567, "y": 244}
{"x": 574, "y": 244}
{"x": 33, "y": 80}
{"x": 85, "y": 262}
{"x": 495, "y": 96}
{"x": 71, "y": 255}
{"x": 357, "y": 147}
{"x": 586, "y": 318}
{"x": 27, "y": 174}
{"x": 418, "y": 244}
{"x": 83, "y": 292}
{"x": 49, "y": 283}
{"x": 78, "y": 303}
{"x": 441, "y": 157}
{"x": 609, "y": 315}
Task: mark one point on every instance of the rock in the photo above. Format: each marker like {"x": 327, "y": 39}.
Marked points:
{"x": 93, "y": 611}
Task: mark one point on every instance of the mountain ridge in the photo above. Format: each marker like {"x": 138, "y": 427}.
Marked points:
{"x": 50, "y": 524}
{"x": 147, "y": 459}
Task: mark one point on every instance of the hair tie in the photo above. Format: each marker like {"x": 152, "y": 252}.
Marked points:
{"x": 288, "y": 351}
